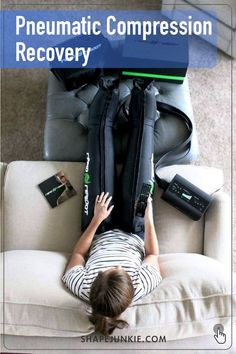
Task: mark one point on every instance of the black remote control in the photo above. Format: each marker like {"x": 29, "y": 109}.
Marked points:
{"x": 142, "y": 200}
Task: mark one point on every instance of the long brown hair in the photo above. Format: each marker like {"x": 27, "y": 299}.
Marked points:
{"x": 111, "y": 293}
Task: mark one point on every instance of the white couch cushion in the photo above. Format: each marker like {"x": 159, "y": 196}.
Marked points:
{"x": 30, "y": 223}
{"x": 194, "y": 294}
{"x": 209, "y": 179}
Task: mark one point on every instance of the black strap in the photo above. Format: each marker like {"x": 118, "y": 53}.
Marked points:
{"x": 170, "y": 156}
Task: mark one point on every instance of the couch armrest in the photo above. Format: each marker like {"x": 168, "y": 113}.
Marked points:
{"x": 217, "y": 235}
{"x": 3, "y": 167}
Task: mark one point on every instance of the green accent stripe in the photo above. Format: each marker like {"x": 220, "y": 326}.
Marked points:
{"x": 152, "y": 187}
{"x": 154, "y": 76}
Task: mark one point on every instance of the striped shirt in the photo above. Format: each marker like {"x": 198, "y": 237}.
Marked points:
{"x": 111, "y": 249}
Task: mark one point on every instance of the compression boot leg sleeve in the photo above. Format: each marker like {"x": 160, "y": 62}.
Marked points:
{"x": 99, "y": 174}
{"x": 138, "y": 167}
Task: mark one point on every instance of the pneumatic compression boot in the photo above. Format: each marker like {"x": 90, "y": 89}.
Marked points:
{"x": 100, "y": 173}
{"x": 138, "y": 166}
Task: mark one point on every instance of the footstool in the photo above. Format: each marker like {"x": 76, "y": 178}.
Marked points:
{"x": 65, "y": 136}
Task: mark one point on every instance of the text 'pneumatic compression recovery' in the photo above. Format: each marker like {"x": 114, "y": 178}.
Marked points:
{"x": 83, "y": 38}
{"x": 86, "y": 26}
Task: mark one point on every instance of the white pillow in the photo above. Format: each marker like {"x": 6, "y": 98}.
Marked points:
{"x": 193, "y": 296}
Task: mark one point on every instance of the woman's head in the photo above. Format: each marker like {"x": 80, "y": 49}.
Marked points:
{"x": 111, "y": 293}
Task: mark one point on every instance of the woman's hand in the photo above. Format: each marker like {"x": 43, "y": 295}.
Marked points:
{"x": 148, "y": 217}
{"x": 101, "y": 210}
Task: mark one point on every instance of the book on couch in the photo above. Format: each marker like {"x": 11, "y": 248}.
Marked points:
{"x": 57, "y": 189}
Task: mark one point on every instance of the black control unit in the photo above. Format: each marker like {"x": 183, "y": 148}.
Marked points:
{"x": 186, "y": 197}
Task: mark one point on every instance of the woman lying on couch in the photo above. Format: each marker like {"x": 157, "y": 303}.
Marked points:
{"x": 115, "y": 261}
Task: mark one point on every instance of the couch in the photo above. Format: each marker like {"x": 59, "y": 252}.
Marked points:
{"x": 39, "y": 313}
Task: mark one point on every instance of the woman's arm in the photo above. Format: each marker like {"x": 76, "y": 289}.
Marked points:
{"x": 150, "y": 237}
{"x": 101, "y": 212}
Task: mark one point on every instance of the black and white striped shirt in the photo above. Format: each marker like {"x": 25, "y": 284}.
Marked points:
{"x": 110, "y": 249}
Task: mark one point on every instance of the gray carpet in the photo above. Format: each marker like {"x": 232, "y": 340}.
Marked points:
{"x": 211, "y": 91}
{"x": 23, "y": 113}
{"x": 75, "y": 4}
